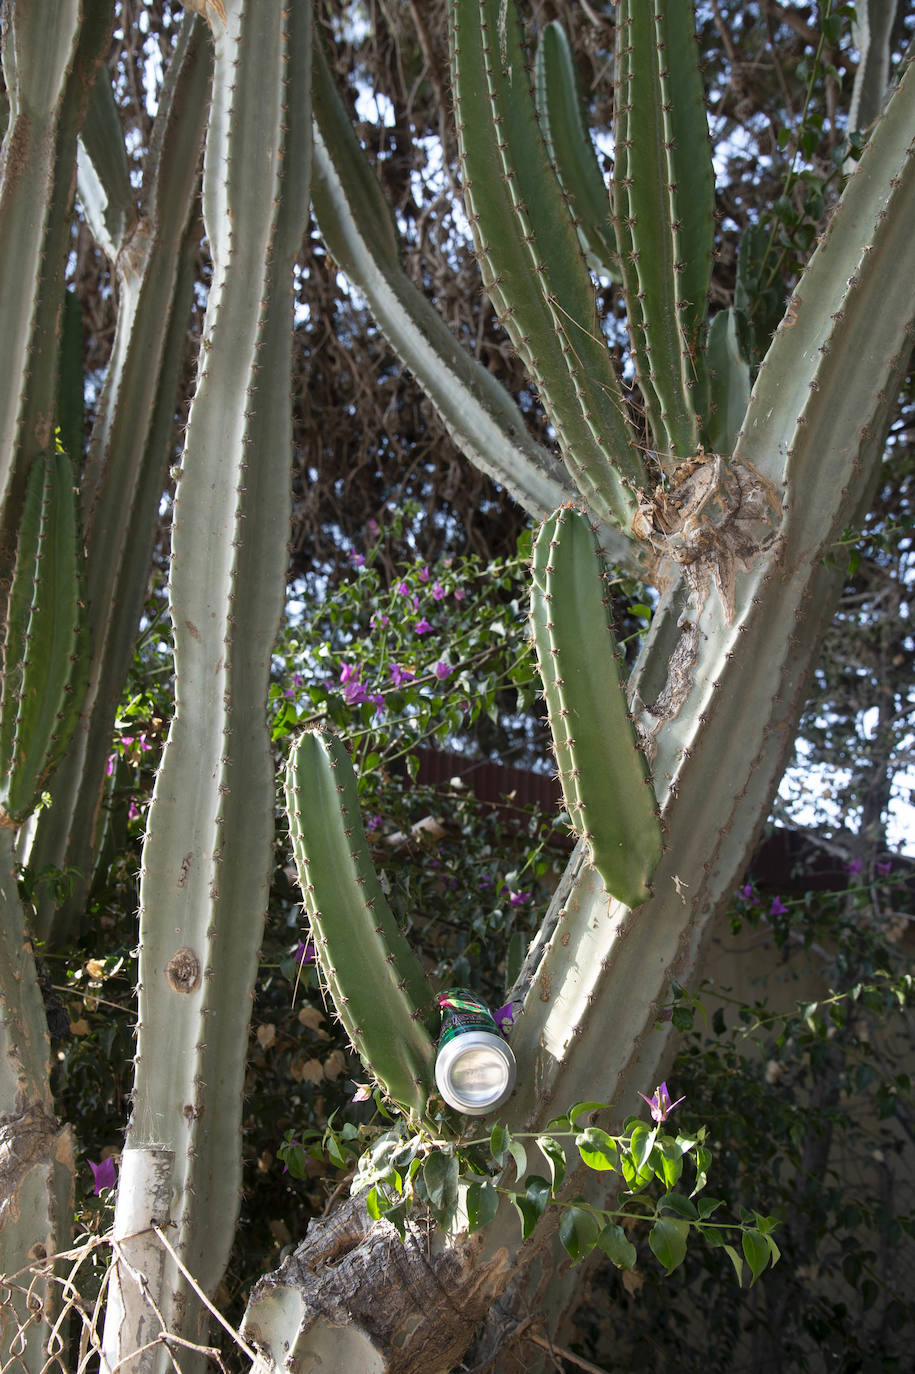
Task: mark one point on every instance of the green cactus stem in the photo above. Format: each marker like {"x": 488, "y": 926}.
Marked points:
{"x": 51, "y": 54}
{"x": 603, "y": 771}
{"x": 45, "y": 651}
{"x": 155, "y": 248}
{"x": 530, "y": 257}
{"x": 560, "y": 108}
{"x": 377, "y": 984}
{"x": 663, "y": 203}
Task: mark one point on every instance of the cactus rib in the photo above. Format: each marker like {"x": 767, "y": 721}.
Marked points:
{"x": 377, "y": 983}
{"x": 604, "y": 773}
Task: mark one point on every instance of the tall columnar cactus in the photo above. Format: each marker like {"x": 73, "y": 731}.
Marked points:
{"x": 207, "y": 856}
{"x": 737, "y": 534}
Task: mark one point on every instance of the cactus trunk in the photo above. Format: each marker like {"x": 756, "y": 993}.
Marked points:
{"x": 207, "y": 856}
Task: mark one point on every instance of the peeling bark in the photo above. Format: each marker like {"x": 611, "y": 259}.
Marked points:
{"x": 411, "y": 1306}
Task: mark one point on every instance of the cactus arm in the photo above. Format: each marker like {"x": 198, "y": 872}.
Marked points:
{"x": 663, "y": 197}
{"x": 872, "y": 32}
{"x": 43, "y": 654}
{"x": 123, "y": 477}
{"x": 50, "y": 63}
{"x": 357, "y": 227}
{"x": 207, "y": 856}
{"x": 376, "y": 982}
{"x": 604, "y": 773}
{"x": 102, "y": 171}
{"x": 559, "y": 106}
{"x": 530, "y": 257}
{"x": 728, "y": 382}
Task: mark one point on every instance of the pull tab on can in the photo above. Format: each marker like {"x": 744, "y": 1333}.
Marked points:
{"x": 474, "y": 1068}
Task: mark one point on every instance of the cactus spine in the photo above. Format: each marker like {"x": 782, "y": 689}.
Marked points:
{"x": 604, "y": 774}
{"x": 377, "y": 983}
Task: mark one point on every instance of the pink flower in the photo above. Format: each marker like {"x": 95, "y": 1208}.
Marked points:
{"x": 109, "y": 766}
{"x": 378, "y": 702}
{"x": 357, "y": 559}
{"x": 442, "y": 670}
{"x": 403, "y": 589}
{"x": 660, "y": 1103}
{"x": 373, "y": 823}
{"x": 347, "y": 673}
{"x": 424, "y": 575}
{"x": 854, "y": 868}
{"x": 438, "y": 591}
{"x": 747, "y": 891}
{"x": 104, "y": 1174}
{"x": 518, "y": 898}
{"x": 458, "y": 594}
{"x": 778, "y": 907}
{"x": 422, "y": 627}
{"x": 378, "y": 622}
{"x": 372, "y": 527}
{"x": 132, "y": 810}
{"x": 363, "y": 1091}
{"x": 401, "y": 675}
{"x": 884, "y": 870}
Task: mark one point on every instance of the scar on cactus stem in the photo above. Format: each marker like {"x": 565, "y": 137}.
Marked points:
{"x": 715, "y": 516}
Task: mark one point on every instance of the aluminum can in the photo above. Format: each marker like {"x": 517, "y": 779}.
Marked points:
{"x": 474, "y": 1068}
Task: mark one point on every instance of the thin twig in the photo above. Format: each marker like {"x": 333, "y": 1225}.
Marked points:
{"x": 227, "y": 1326}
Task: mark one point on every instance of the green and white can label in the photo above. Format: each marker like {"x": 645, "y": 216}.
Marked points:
{"x": 474, "y": 1068}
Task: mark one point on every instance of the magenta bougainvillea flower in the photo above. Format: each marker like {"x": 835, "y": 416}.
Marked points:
{"x": 104, "y": 1174}
{"x": 422, "y": 626}
{"x": 660, "y": 1103}
{"x": 778, "y": 907}
{"x": 305, "y": 953}
{"x": 442, "y": 670}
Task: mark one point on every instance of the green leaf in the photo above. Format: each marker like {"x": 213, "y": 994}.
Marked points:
{"x": 756, "y": 1252}
{"x": 676, "y": 1202}
{"x": 482, "y": 1205}
{"x": 617, "y": 1246}
{"x": 580, "y": 1108}
{"x": 499, "y": 1142}
{"x": 667, "y": 1239}
{"x": 555, "y": 1157}
{"x": 578, "y": 1231}
{"x": 519, "y": 1155}
{"x": 735, "y": 1260}
{"x": 598, "y": 1149}
{"x": 532, "y": 1205}
{"x": 440, "y": 1175}
{"x": 641, "y": 1144}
